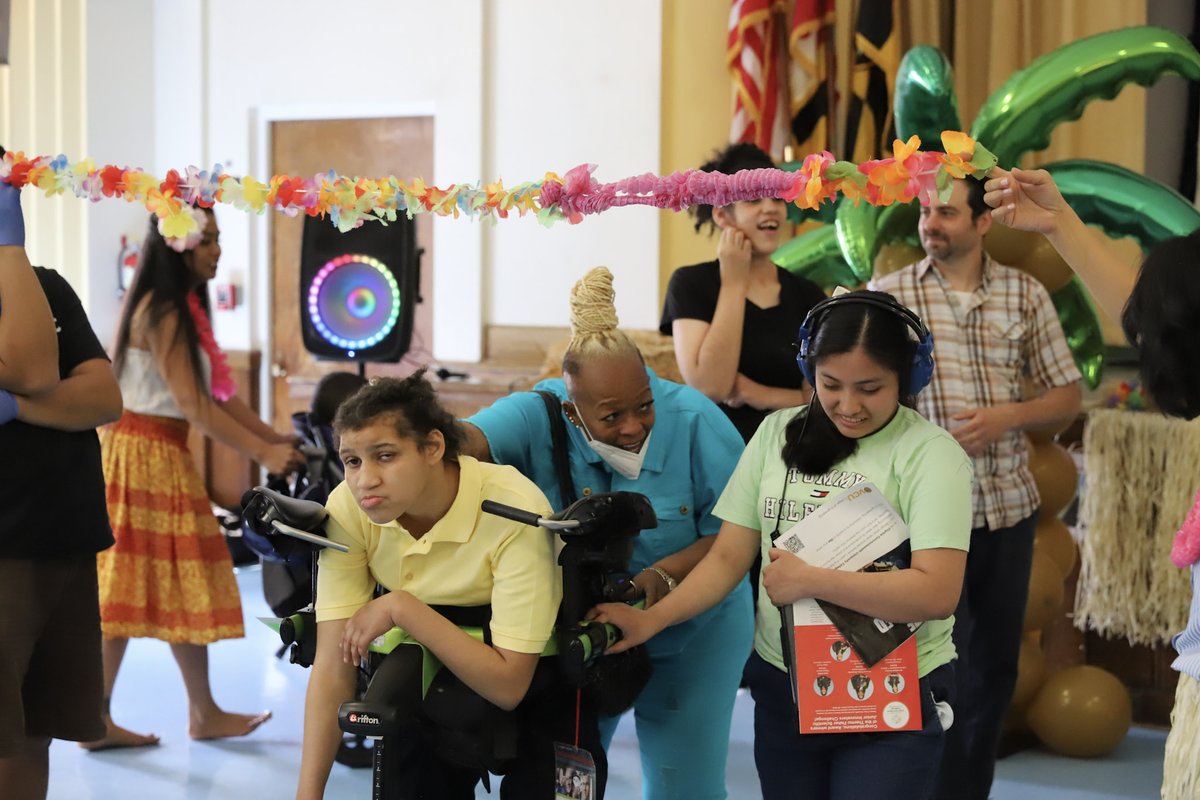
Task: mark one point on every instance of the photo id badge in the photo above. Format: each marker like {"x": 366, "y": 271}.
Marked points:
{"x": 574, "y": 773}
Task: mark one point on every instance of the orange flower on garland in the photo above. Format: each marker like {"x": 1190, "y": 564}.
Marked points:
{"x": 958, "y": 145}
{"x": 817, "y": 188}
{"x": 889, "y": 180}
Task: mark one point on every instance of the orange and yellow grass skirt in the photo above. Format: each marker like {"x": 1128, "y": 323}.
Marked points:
{"x": 169, "y": 576}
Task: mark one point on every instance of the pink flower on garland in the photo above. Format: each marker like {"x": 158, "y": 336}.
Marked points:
{"x": 223, "y": 386}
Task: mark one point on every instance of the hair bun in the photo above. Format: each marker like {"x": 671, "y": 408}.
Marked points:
{"x": 593, "y": 309}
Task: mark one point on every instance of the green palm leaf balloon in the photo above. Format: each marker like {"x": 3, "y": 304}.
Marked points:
{"x": 1016, "y": 119}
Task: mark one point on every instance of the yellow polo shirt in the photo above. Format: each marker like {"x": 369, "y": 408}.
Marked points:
{"x": 468, "y": 558}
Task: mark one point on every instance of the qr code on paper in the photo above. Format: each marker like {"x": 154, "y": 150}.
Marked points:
{"x": 792, "y": 543}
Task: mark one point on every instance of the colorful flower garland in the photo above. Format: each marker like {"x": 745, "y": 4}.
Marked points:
{"x": 909, "y": 174}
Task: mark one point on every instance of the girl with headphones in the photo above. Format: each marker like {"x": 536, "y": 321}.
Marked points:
{"x": 857, "y": 351}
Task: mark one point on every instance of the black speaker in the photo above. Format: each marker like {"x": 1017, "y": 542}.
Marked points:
{"x": 358, "y": 289}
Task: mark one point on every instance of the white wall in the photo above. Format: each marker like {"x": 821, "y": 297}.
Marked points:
{"x": 573, "y": 83}
{"x": 517, "y": 88}
{"x": 43, "y": 112}
{"x": 120, "y": 130}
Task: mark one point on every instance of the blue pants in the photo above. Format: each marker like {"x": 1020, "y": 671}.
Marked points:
{"x": 684, "y": 713}
{"x": 988, "y": 625}
{"x": 899, "y": 765}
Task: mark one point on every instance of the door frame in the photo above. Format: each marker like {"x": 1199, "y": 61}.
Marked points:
{"x": 457, "y": 299}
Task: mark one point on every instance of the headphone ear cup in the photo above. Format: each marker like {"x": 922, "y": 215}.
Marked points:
{"x": 922, "y": 367}
{"x": 802, "y": 355}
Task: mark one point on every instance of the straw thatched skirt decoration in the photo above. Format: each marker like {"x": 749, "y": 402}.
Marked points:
{"x": 1141, "y": 474}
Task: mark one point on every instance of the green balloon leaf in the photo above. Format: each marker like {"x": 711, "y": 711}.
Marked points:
{"x": 857, "y": 231}
{"x": 816, "y": 255}
{"x": 1020, "y": 116}
{"x": 925, "y": 102}
{"x": 1124, "y": 203}
{"x": 1082, "y": 329}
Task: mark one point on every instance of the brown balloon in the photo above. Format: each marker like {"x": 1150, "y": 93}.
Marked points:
{"x": 1031, "y": 673}
{"x": 1053, "y": 538}
{"x": 1082, "y": 711}
{"x": 896, "y": 255}
{"x": 1045, "y": 593}
{"x": 1040, "y": 437}
{"x": 1056, "y": 477}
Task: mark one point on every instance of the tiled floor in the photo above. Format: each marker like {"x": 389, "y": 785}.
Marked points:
{"x": 247, "y": 677}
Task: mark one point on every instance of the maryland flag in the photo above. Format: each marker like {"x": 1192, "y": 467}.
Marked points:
{"x": 754, "y": 56}
{"x": 810, "y": 75}
{"x": 870, "y": 128}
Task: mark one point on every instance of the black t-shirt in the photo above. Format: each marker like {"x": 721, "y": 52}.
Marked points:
{"x": 768, "y": 334}
{"x": 51, "y": 482}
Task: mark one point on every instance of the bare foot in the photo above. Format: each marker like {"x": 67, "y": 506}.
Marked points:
{"x": 120, "y": 737}
{"x": 222, "y": 724}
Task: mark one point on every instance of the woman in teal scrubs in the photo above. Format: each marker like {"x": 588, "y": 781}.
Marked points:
{"x": 628, "y": 430}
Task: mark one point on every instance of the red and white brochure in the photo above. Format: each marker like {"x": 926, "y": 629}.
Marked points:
{"x": 836, "y": 691}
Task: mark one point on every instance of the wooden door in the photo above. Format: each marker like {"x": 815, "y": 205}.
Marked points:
{"x": 400, "y": 146}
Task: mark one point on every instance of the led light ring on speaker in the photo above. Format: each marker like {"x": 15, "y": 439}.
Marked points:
{"x": 314, "y": 297}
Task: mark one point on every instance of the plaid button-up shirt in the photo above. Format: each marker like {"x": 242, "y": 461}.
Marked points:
{"x": 1006, "y": 341}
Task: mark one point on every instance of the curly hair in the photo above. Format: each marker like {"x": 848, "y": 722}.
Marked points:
{"x": 410, "y": 404}
{"x": 734, "y": 158}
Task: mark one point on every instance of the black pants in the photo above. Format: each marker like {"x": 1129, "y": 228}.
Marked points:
{"x": 547, "y": 715}
{"x": 988, "y": 626}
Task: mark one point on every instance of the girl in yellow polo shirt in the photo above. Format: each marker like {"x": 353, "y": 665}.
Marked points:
{"x": 409, "y": 510}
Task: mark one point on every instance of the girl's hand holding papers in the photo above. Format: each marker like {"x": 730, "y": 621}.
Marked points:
{"x": 789, "y": 578}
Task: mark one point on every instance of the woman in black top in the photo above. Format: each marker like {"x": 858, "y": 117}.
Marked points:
{"x": 735, "y": 319}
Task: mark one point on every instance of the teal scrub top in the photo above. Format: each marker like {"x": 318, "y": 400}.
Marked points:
{"x": 692, "y": 452}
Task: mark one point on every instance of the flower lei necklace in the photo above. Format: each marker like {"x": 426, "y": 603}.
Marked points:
{"x": 223, "y": 386}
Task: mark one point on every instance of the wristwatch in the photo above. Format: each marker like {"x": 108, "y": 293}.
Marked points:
{"x": 662, "y": 573}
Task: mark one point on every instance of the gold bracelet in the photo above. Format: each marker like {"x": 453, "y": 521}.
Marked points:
{"x": 662, "y": 573}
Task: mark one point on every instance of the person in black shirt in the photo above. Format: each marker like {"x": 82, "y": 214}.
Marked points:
{"x": 734, "y": 320}
{"x": 53, "y": 518}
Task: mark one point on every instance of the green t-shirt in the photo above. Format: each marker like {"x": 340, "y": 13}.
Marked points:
{"x": 918, "y": 466}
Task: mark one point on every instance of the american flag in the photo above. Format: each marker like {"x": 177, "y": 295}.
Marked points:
{"x": 755, "y": 56}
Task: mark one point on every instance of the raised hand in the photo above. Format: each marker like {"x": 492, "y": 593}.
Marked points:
{"x": 733, "y": 257}
{"x": 1025, "y": 199}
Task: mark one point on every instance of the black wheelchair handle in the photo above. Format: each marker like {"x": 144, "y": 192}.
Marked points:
{"x": 526, "y": 517}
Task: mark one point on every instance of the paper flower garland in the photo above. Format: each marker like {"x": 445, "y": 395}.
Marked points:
{"x": 909, "y": 174}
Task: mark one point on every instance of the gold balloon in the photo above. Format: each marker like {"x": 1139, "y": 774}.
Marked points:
{"x": 1045, "y": 593}
{"x": 1031, "y": 673}
{"x": 1082, "y": 711}
{"x": 1043, "y": 262}
{"x": 1028, "y": 252}
{"x": 896, "y": 255}
{"x": 1056, "y": 477}
{"x": 1054, "y": 539}
{"x": 1009, "y": 245}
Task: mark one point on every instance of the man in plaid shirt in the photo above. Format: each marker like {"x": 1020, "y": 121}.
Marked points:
{"x": 1002, "y": 368}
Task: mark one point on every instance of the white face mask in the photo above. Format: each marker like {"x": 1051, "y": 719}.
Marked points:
{"x": 626, "y": 463}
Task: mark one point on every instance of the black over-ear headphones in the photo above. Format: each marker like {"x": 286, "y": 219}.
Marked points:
{"x": 922, "y": 364}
